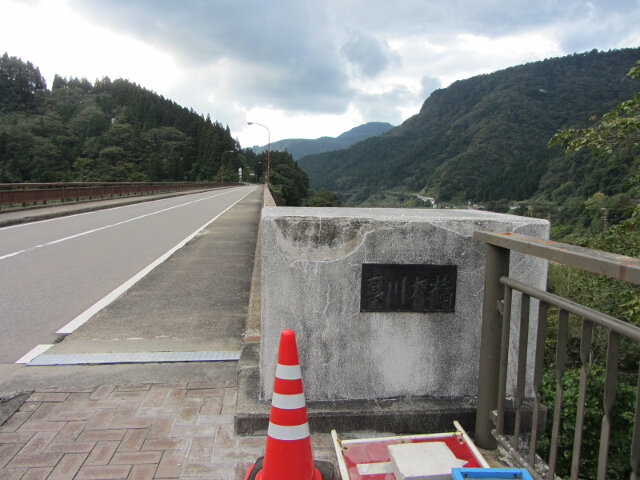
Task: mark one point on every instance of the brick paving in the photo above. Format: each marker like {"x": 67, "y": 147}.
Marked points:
{"x": 133, "y": 432}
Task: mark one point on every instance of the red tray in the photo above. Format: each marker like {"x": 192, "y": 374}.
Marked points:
{"x": 368, "y": 458}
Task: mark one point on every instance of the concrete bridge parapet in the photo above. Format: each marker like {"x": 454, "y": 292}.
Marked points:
{"x": 313, "y": 281}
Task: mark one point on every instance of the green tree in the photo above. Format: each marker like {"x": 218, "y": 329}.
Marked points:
{"x": 84, "y": 170}
{"x": 164, "y": 149}
{"x": 323, "y": 198}
{"x": 288, "y": 180}
{"x": 255, "y": 165}
{"x": 618, "y": 128}
{"x": 20, "y": 82}
{"x": 617, "y": 131}
{"x": 108, "y": 158}
{"x": 598, "y": 204}
{"x": 58, "y": 83}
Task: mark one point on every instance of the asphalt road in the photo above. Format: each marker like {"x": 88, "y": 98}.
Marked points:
{"x": 53, "y": 271}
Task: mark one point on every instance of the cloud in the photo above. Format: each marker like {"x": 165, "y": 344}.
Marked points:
{"x": 342, "y": 58}
{"x": 611, "y": 26}
{"x": 387, "y": 105}
{"x": 368, "y": 55}
{"x": 439, "y": 18}
{"x": 304, "y": 88}
{"x": 428, "y": 84}
{"x": 281, "y": 54}
{"x": 204, "y": 32}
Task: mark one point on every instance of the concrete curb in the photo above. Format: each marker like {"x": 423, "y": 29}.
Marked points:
{"x": 268, "y": 200}
{"x": 252, "y": 328}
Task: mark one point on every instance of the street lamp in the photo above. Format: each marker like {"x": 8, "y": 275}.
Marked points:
{"x": 268, "y": 150}
{"x": 222, "y": 165}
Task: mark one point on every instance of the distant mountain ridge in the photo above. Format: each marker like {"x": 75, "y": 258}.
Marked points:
{"x": 486, "y": 138}
{"x": 300, "y": 147}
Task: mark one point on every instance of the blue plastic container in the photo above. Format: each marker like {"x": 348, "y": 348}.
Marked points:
{"x": 490, "y": 473}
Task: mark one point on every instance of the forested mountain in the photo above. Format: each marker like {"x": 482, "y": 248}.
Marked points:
{"x": 486, "y": 138}
{"x": 106, "y": 131}
{"x": 300, "y": 147}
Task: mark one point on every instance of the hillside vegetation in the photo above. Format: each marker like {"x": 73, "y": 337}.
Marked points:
{"x": 119, "y": 131}
{"x": 105, "y": 131}
{"x": 614, "y": 135}
{"x": 485, "y": 139}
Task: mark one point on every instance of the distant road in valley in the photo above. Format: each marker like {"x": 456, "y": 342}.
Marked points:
{"x": 52, "y": 271}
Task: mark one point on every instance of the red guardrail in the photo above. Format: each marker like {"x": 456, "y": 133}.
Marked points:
{"x": 33, "y": 193}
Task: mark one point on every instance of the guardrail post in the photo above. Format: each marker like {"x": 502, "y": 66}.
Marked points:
{"x": 496, "y": 266}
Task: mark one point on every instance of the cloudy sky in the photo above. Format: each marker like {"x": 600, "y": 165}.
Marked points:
{"x": 304, "y": 68}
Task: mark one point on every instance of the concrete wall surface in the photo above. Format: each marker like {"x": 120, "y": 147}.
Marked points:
{"x": 311, "y": 282}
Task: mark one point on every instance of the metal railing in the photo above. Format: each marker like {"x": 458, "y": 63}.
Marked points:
{"x": 41, "y": 193}
{"x": 494, "y": 351}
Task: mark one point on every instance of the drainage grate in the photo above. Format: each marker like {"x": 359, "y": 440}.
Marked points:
{"x": 135, "y": 357}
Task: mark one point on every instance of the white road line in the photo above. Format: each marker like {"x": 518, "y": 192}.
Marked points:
{"x": 33, "y": 353}
{"x": 13, "y": 254}
{"x": 100, "y": 304}
{"x": 94, "y": 230}
{"x": 64, "y": 217}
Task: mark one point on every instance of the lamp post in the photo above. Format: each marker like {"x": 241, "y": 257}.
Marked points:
{"x": 268, "y": 150}
{"x": 222, "y": 165}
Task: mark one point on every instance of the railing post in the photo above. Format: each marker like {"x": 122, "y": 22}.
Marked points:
{"x": 496, "y": 266}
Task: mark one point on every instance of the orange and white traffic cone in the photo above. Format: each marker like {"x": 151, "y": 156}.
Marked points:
{"x": 288, "y": 453}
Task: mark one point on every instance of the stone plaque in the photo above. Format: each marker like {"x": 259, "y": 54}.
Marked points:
{"x": 408, "y": 288}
